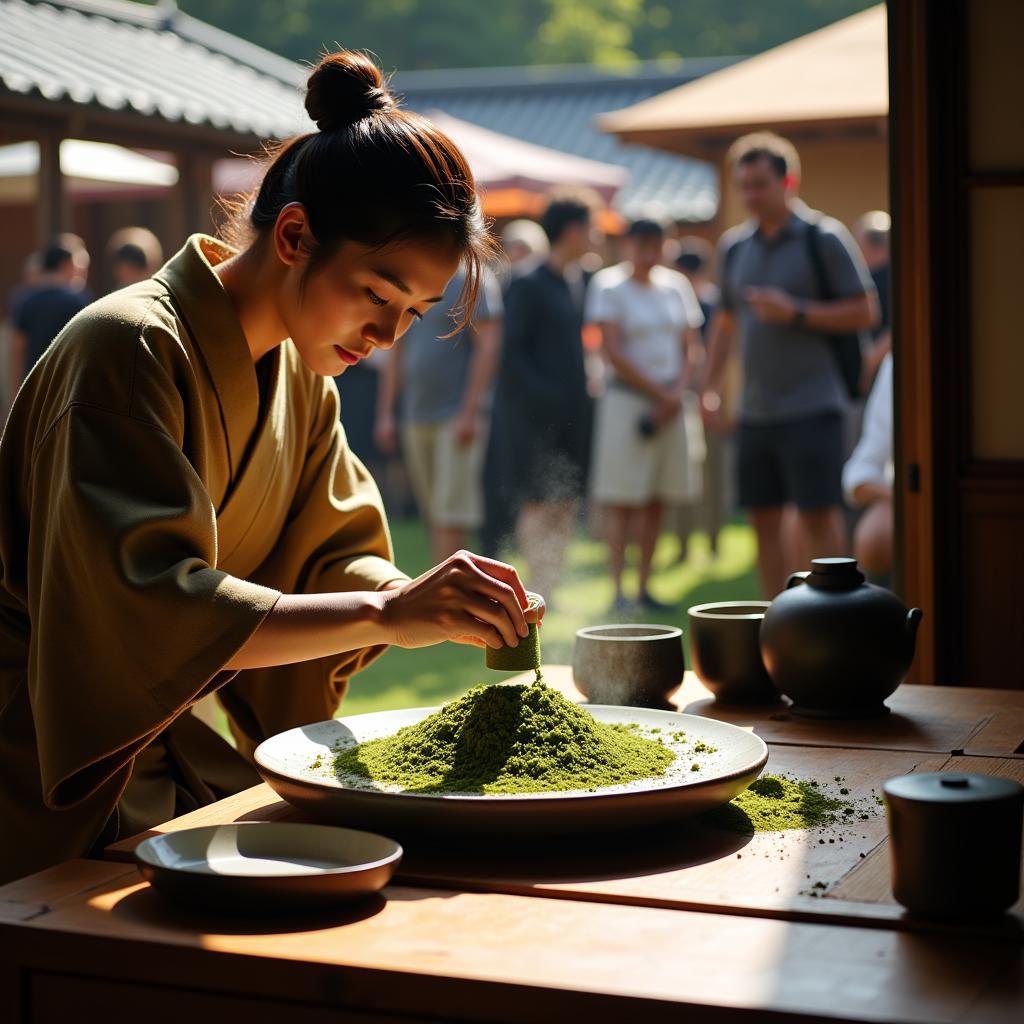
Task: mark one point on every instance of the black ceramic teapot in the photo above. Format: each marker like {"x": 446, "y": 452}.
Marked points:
{"x": 835, "y": 645}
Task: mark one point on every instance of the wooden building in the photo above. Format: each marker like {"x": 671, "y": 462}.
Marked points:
{"x": 826, "y": 91}
{"x": 149, "y": 78}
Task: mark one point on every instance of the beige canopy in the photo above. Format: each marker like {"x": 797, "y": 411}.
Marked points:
{"x": 834, "y": 77}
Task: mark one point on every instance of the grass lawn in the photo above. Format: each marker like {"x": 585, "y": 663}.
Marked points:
{"x": 433, "y": 675}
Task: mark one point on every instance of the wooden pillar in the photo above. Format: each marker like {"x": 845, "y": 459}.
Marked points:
{"x": 910, "y": 156}
{"x": 195, "y": 196}
{"x": 52, "y": 208}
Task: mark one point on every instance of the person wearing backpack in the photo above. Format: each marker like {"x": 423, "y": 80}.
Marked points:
{"x": 795, "y": 295}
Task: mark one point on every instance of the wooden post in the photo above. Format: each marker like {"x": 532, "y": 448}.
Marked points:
{"x": 913, "y": 354}
{"x": 52, "y": 211}
{"x": 195, "y": 192}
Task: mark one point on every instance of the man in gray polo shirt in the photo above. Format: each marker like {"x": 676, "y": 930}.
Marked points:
{"x": 791, "y": 416}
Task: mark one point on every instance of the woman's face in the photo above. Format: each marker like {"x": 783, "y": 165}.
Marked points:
{"x": 361, "y": 299}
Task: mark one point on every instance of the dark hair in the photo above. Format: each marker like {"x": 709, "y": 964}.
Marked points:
{"x": 645, "y": 228}
{"x": 55, "y": 255}
{"x": 780, "y": 153}
{"x": 62, "y": 248}
{"x": 695, "y": 253}
{"x": 136, "y": 247}
{"x": 371, "y": 173}
{"x": 565, "y": 207}
{"x": 130, "y": 254}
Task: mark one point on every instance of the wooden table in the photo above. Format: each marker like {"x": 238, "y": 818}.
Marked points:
{"x": 686, "y": 922}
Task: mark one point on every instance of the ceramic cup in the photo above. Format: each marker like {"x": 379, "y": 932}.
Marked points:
{"x": 725, "y": 651}
{"x": 638, "y": 664}
{"x": 955, "y": 843}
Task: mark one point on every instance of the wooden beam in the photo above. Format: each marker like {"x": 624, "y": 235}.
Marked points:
{"x": 25, "y": 114}
{"x": 698, "y": 141}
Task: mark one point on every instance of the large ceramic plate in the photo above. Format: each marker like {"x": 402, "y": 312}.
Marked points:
{"x": 298, "y": 764}
{"x": 258, "y": 866}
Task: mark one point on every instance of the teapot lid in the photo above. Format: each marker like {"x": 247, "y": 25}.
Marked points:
{"x": 835, "y": 573}
{"x": 952, "y": 788}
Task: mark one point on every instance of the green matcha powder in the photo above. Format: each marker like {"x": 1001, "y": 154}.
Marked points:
{"x": 774, "y": 803}
{"x": 507, "y": 739}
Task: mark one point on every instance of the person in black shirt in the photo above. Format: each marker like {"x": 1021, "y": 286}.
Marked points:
{"x": 525, "y": 247}
{"x": 57, "y": 296}
{"x": 542, "y": 389}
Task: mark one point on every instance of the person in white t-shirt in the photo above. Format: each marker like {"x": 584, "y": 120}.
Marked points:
{"x": 648, "y": 438}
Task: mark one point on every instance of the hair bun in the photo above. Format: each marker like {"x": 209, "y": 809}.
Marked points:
{"x": 344, "y": 88}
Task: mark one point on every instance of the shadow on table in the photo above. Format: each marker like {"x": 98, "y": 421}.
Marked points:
{"x": 892, "y": 728}
{"x": 146, "y": 906}
{"x": 580, "y": 858}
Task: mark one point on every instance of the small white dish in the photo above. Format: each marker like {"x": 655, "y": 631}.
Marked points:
{"x": 260, "y": 866}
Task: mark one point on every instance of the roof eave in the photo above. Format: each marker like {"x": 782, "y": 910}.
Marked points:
{"x": 700, "y": 140}
{"x": 31, "y": 115}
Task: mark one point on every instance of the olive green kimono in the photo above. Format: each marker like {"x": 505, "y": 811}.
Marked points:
{"x": 157, "y": 495}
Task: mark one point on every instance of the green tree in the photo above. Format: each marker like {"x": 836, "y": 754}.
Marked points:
{"x": 411, "y": 34}
{"x": 598, "y": 32}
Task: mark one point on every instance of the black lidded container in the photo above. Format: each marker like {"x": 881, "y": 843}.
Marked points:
{"x": 955, "y": 843}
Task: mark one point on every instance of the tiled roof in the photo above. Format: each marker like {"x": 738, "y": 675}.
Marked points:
{"x": 158, "y": 62}
{"x": 150, "y": 60}
{"x": 557, "y": 107}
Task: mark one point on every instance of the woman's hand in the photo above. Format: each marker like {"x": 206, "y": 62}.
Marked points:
{"x": 467, "y": 598}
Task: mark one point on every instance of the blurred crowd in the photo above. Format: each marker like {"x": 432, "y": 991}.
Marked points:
{"x": 650, "y": 382}
{"x": 54, "y": 287}
{"x": 646, "y": 382}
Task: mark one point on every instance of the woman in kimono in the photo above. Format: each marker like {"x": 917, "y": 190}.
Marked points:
{"x": 179, "y": 511}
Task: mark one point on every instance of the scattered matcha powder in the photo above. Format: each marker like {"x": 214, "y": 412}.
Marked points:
{"x": 774, "y": 803}
{"x": 507, "y": 739}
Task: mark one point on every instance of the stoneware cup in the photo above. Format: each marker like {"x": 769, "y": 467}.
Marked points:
{"x": 638, "y": 664}
{"x": 725, "y": 651}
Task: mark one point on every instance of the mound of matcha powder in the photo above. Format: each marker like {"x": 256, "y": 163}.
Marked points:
{"x": 507, "y": 739}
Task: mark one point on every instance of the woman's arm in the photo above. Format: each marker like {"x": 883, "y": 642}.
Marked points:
{"x": 467, "y": 598}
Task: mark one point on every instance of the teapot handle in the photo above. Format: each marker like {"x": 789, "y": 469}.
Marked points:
{"x": 795, "y": 578}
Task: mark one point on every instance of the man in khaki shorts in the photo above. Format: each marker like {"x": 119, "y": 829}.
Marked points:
{"x": 648, "y": 440}
{"x": 444, "y": 387}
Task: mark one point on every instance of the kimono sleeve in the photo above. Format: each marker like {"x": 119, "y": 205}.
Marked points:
{"x": 337, "y": 536}
{"x": 336, "y": 539}
{"x": 130, "y": 622}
